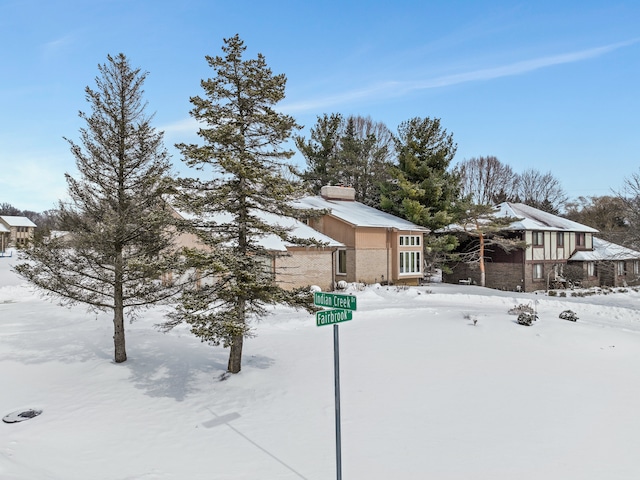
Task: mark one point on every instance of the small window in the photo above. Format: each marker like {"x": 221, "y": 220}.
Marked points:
{"x": 620, "y": 268}
{"x": 538, "y": 271}
{"x": 580, "y": 240}
{"x": 591, "y": 269}
{"x": 538, "y": 239}
{"x": 636, "y": 267}
{"x": 342, "y": 262}
{"x": 560, "y": 239}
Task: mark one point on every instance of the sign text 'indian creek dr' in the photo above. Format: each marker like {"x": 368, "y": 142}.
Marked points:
{"x": 333, "y": 300}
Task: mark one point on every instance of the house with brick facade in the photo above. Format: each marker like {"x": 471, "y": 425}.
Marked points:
{"x": 292, "y": 265}
{"x": 15, "y": 231}
{"x": 375, "y": 246}
{"x": 608, "y": 264}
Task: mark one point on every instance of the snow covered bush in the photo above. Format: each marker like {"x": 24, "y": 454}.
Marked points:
{"x": 569, "y": 315}
{"x": 526, "y": 318}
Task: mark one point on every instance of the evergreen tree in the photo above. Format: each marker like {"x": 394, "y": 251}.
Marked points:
{"x": 355, "y": 151}
{"x": 321, "y": 152}
{"x": 244, "y": 155}
{"x": 424, "y": 190}
{"x": 121, "y": 242}
{"x": 481, "y": 224}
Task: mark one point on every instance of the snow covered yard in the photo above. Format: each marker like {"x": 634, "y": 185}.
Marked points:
{"x": 425, "y": 392}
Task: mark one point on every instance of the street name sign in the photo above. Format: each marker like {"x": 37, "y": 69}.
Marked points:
{"x": 334, "y": 300}
{"x": 329, "y": 317}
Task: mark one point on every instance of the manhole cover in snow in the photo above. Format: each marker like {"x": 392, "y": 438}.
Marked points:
{"x": 21, "y": 415}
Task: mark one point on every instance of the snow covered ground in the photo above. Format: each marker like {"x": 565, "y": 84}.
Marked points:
{"x": 425, "y": 392}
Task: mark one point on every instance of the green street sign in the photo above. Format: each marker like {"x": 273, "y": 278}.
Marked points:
{"x": 329, "y": 317}
{"x": 333, "y": 300}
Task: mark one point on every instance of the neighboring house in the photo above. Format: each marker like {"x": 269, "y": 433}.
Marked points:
{"x": 376, "y": 246}
{"x": 4, "y": 237}
{"x": 21, "y": 230}
{"x": 552, "y": 242}
{"x": 292, "y": 265}
{"x": 609, "y": 264}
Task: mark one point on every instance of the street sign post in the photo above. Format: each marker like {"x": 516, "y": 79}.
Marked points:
{"x": 342, "y": 310}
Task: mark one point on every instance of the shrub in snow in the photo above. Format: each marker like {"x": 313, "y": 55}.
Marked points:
{"x": 522, "y": 308}
{"x": 526, "y": 318}
{"x": 552, "y": 293}
{"x": 342, "y": 285}
{"x": 314, "y": 288}
{"x": 569, "y": 315}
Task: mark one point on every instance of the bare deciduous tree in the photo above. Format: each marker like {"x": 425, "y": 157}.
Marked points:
{"x": 486, "y": 180}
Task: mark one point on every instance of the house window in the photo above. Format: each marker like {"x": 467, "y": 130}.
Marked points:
{"x": 409, "y": 240}
{"x": 342, "y": 262}
{"x": 538, "y": 271}
{"x": 580, "y": 240}
{"x": 620, "y": 268}
{"x": 538, "y": 239}
{"x": 636, "y": 267}
{"x": 410, "y": 262}
{"x": 591, "y": 269}
{"x": 560, "y": 239}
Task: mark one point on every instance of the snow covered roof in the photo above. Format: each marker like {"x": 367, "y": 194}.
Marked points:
{"x": 603, "y": 250}
{"x": 271, "y": 241}
{"x": 534, "y": 219}
{"x": 358, "y": 214}
{"x": 3, "y": 229}
{"x": 15, "y": 221}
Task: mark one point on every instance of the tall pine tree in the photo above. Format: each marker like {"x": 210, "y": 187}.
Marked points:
{"x": 121, "y": 240}
{"x": 423, "y": 189}
{"x": 243, "y": 157}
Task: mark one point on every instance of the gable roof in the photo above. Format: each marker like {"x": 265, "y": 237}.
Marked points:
{"x": 357, "y": 214}
{"x": 271, "y": 241}
{"x": 534, "y": 219}
{"x": 603, "y": 250}
{"x": 15, "y": 221}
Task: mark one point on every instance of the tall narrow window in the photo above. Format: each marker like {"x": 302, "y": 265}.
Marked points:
{"x": 580, "y": 241}
{"x": 560, "y": 239}
{"x": 620, "y": 268}
{"x": 342, "y": 262}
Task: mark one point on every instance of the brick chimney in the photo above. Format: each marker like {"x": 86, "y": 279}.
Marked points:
{"x": 336, "y": 192}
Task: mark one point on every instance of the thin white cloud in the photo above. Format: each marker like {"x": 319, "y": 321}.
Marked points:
{"x": 398, "y": 88}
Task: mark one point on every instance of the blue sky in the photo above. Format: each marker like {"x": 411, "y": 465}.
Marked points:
{"x": 545, "y": 85}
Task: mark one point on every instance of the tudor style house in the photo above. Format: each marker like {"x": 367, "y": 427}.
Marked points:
{"x": 552, "y": 243}
{"x": 376, "y": 246}
{"x": 15, "y": 231}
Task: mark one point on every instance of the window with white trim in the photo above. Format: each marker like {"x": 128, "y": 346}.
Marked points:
{"x": 591, "y": 269}
{"x": 636, "y": 267}
{"x": 410, "y": 263}
{"x": 621, "y": 268}
{"x": 409, "y": 240}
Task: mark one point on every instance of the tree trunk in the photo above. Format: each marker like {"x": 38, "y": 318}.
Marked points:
{"x": 482, "y": 268}
{"x": 118, "y": 336}
{"x": 118, "y": 313}
{"x": 235, "y": 355}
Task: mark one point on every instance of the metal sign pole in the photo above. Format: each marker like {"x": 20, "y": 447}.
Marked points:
{"x": 336, "y": 368}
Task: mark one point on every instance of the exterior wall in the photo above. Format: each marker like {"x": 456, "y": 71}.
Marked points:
{"x": 550, "y": 250}
{"x": 304, "y": 267}
{"x": 371, "y": 265}
{"x": 336, "y": 229}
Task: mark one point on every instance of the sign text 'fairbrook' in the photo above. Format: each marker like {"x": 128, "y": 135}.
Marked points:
{"x": 328, "y": 317}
